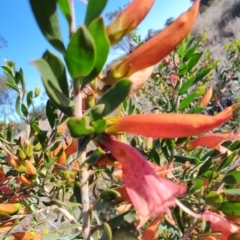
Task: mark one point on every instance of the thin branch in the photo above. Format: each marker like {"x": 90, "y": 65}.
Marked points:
{"x": 84, "y": 175}
{"x": 72, "y": 24}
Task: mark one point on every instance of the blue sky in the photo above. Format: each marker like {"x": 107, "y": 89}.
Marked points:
{"x": 26, "y": 43}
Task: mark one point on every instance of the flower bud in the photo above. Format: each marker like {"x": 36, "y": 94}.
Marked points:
{"x": 30, "y": 169}
{"x": 14, "y": 163}
{"x": 26, "y": 181}
{"x": 37, "y": 147}
{"x": 37, "y": 91}
{"x": 24, "y": 235}
{"x": 21, "y": 154}
{"x": 10, "y": 208}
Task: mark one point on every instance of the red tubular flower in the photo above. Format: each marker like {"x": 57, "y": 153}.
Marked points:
{"x": 155, "y": 49}
{"x": 220, "y": 224}
{"x": 127, "y": 20}
{"x": 166, "y": 125}
{"x": 150, "y": 194}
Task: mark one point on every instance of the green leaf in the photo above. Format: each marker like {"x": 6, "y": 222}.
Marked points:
{"x": 115, "y": 95}
{"x": 188, "y": 54}
{"x": 205, "y": 167}
{"x": 232, "y": 208}
{"x": 186, "y": 85}
{"x": 84, "y": 142}
{"x": 227, "y": 160}
{"x": 107, "y": 196}
{"x": 202, "y": 73}
{"x": 66, "y": 10}
{"x": 7, "y": 69}
{"x": 129, "y": 217}
{"x": 194, "y": 60}
{"x": 189, "y": 43}
{"x": 93, "y": 158}
{"x": 12, "y": 86}
{"x": 124, "y": 226}
{"x": 45, "y": 12}
{"x": 94, "y": 10}
{"x": 107, "y": 232}
{"x": 214, "y": 199}
{"x": 18, "y": 106}
{"x": 232, "y": 178}
{"x": 9, "y": 133}
{"x": 234, "y": 192}
{"x": 95, "y": 112}
{"x": 52, "y": 88}
{"x": 187, "y": 101}
{"x": 24, "y": 110}
{"x": 154, "y": 156}
{"x": 99, "y": 125}
{"x": 183, "y": 69}
{"x": 79, "y": 127}
{"x": 58, "y": 70}
{"x": 235, "y": 145}
{"x": 51, "y": 236}
{"x": 181, "y": 49}
{"x": 196, "y": 110}
{"x": 183, "y": 159}
{"x": 19, "y": 78}
{"x": 29, "y": 98}
{"x": 102, "y": 44}
{"x": 51, "y": 113}
{"x": 81, "y": 53}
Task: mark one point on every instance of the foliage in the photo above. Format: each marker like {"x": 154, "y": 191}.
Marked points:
{"x": 87, "y": 178}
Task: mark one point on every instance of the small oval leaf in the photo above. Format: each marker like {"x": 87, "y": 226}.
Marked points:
{"x": 80, "y": 56}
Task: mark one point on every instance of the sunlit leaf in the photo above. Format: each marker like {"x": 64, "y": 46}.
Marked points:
{"x": 81, "y": 53}
{"x": 102, "y": 44}
{"x": 79, "y": 127}
{"x": 187, "y": 100}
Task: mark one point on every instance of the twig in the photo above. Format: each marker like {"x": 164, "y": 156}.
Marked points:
{"x": 191, "y": 213}
{"x": 48, "y": 221}
{"x": 72, "y": 24}
{"x": 84, "y": 175}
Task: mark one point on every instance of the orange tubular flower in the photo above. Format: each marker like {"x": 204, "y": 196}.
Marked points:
{"x": 150, "y": 194}
{"x": 210, "y": 141}
{"x": 166, "y": 125}
{"x": 155, "y": 49}
{"x": 140, "y": 77}
{"x": 127, "y": 20}
{"x": 206, "y": 98}
{"x": 220, "y": 224}
{"x": 228, "y": 110}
